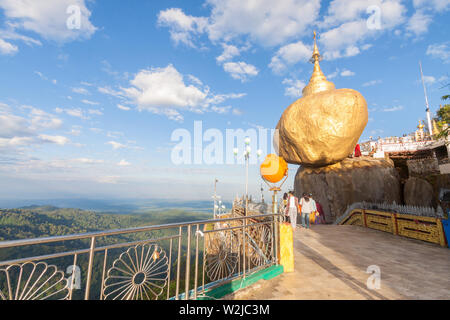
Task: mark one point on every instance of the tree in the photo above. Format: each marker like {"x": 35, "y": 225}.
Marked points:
{"x": 443, "y": 118}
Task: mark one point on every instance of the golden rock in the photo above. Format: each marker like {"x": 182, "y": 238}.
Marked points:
{"x": 324, "y": 126}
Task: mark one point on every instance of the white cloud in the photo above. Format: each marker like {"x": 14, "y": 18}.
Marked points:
{"x": 76, "y": 112}
{"x": 182, "y": 27}
{"x": 429, "y": 79}
{"x": 229, "y": 52}
{"x": 116, "y": 145}
{"x": 95, "y": 112}
{"x": 7, "y": 48}
{"x": 347, "y": 73}
{"x": 289, "y": 55}
{"x": 347, "y": 28}
{"x": 88, "y": 161}
{"x": 393, "y": 109}
{"x": 121, "y": 107}
{"x": 48, "y": 18}
{"x": 265, "y": 22}
{"x": 92, "y": 103}
{"x": 240, "y": 70}
{"x": 124, "y": 163}
{"x": 54, "y": 139}
{"x": 419, "y": 23}
{"x": 294, "y": 87}
{"x": 83, "y": 91}
{"x": 435, "y": 5}
{"x": 164, "y": 91}
{"x": 371, "y": 83}
{"x": 440, "y": 51}
{"x": 221, "y": 110}
{"x": 333, "y": 75}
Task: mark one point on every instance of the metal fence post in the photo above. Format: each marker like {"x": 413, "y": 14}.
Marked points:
{"x": 89, "y": 275}
{"x": 188, "y": 262}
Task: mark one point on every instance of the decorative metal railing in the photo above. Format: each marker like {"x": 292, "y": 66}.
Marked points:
{"x": 423, "y": 228}
{"x": 172, "y": 261}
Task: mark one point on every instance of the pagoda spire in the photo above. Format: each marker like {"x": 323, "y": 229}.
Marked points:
{"x": 318, "y": 81}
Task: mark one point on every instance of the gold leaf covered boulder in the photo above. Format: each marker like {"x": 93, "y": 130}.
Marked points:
{"x": 324, "y": 126}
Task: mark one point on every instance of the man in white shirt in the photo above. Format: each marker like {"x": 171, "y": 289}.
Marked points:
{"x": 308, "y": 206}
{"x": 291, "y": 208}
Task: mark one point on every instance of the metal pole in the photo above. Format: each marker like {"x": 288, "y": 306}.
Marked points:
{"x": 170, "y": 267}
{"x": 430, "y": 128}
{"x": 177, "y": 289}
{"x": 73, "y": 275}
{"x": 246, "y": 183}
{"x": 215, "y": 197}
{"x": 89, "y": 275}
{"x": 196, "y": 262}
{"x": 244, "y": 245}
{"x": 188, "y": 263}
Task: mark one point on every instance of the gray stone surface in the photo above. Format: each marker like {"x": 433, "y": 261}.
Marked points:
{"x": 418, "y": 192}
{"x": 331, "y": 262}
{"x": 353, "y": 180}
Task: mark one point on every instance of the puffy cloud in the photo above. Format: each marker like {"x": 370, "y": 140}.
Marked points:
{"x": 294, "y": 87}
{"x": 121, "y": 107}
{"x": 83, "y": 91}
{"x": 54, "y": 139}
{"x": 439, "y": 51}
{"x": 419, "y": 23}
{"x": 371, "y": 83}
{"x": 393, "y": 109}
{"x": 182, "y": 27}
{"x": 7, "y": 48}
{"x": 92, "y": 103}
{"x": 347, "y": 25}
{"x": 229, "y": 52}
{"x": 265, "y": 22}
{"x": 240, "y": 70}
{"x": 116, "y": 145}
{"x": 75, "y": 112}
{"x": 164, "y": 91}
{"x": 347, "y": 73}
{"x": 289, "y": 55}
{"x": 124, "y": 163}
{"x": 51, "y": 18}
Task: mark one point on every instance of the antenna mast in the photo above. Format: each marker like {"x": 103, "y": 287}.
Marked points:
{"x": 430, "y": 127}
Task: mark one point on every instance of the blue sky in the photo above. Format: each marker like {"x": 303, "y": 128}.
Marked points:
{"x": 91, "y": 91}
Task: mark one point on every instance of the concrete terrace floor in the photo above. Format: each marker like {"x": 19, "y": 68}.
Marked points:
{"x": 331, "y": 263}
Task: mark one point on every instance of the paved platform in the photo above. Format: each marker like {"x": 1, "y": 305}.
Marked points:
{"x": 331, "y": 263}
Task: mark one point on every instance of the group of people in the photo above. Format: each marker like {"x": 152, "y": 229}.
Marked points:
{"x": 306, "y": 206}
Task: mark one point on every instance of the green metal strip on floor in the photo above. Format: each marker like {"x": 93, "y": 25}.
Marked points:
{"x": 237, "y": 284}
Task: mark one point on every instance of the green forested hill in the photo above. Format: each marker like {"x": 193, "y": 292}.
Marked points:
{"x": 34, "y": 222}
{"x": 44, "y": 221}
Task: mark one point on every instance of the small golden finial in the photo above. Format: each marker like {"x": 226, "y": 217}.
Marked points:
{"x": 318, "y": 81}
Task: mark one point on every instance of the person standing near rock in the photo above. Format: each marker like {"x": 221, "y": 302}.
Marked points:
{"x": 308, "y": 206}
{"x": 291, "y": 209}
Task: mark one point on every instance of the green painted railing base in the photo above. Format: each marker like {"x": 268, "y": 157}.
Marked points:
{"x": 235, "y": 285}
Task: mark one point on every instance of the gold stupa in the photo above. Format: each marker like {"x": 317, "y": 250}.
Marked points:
{"x": 324, "y": 126}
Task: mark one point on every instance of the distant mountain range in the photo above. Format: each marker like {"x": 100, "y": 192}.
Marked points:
{"x": 114, "y": 206}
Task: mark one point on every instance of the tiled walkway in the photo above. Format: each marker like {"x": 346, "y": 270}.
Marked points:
{"x": 331, "y": 263}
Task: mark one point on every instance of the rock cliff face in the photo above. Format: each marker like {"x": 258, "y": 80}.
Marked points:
{"x": 353, "y": 180}
{"x": 419, "y": 192}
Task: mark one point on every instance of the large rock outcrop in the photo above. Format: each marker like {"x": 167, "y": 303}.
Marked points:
{"x": 352, "y": 180}
{"x": 418, "y": 192}
{"x": 324, "y": 125}
{"x": 322, "y": 128}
